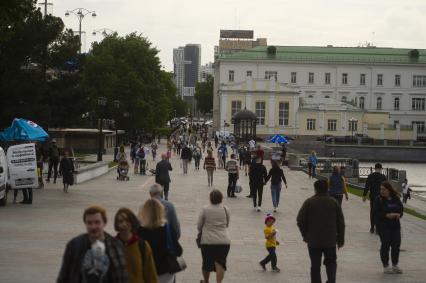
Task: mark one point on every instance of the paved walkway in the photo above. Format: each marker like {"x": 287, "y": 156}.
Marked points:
{"x": 33, "y": 237}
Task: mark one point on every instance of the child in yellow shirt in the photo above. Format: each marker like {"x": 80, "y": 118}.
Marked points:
{"x": 271, "y": 244}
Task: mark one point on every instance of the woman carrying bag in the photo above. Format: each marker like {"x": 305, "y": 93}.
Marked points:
{"x": 162, "y": 239}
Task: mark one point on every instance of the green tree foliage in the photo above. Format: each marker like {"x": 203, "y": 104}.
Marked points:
{"x": 128, "y": 69}
{"x": 30, "y": 44}
{"x": 204, "y": 95}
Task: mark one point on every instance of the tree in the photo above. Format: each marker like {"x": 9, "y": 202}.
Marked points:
{"x": 204, "y": 95}
{"x": 128, "y": 69}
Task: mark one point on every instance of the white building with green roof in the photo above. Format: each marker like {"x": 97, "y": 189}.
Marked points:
{"x": 369, "y": 79}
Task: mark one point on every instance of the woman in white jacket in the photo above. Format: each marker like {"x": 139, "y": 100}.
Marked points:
{"x": 213, "y": 223}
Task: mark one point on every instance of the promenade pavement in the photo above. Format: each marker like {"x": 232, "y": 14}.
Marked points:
{"x": 33, "y": 237}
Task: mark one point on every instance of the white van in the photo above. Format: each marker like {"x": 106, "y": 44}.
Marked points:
{"x": 3, "y": 177}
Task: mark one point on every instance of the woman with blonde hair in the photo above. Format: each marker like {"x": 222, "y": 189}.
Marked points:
{"x": 155, "y": 230}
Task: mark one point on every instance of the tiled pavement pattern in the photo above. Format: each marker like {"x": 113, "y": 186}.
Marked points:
{"x": 33, "y": 237}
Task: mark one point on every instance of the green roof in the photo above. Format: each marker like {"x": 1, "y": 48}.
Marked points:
{"x": 330, "y": 54}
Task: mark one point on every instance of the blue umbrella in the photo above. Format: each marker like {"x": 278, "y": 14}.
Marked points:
{"x": 278, "y": 139}
{"x": 24, "y": 130}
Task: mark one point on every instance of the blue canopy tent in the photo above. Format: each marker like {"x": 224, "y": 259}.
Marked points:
{"x": 23, "y": 130}
{"x": 278, "y": 139}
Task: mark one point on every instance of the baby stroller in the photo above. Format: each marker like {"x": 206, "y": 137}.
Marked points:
{"x": 123, "y": 170}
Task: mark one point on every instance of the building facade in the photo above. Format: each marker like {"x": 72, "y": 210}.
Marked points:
{"x": 179, "y": 69}
{"x": 205, "y": 71}
{"x": 382, "y": 80}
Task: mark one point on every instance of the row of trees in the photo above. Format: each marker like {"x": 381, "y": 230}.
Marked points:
{"x": 43, "y": 78}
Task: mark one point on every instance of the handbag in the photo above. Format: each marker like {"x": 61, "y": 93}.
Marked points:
{"x": 174, "y": 260}
{"x": 238, "y": 189}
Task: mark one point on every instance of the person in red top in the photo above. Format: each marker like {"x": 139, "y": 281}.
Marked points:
{"x": 260, "y": 153}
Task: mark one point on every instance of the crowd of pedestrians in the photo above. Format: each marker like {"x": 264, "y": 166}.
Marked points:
{"x": 147, "y": 249}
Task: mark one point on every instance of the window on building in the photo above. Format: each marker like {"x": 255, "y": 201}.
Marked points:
{"x": 327, "y": 78}
{"x": 260, "y": 112}
{"x": 397, "y": 80}
{"x": 249, "y": 73}
{"x": 345, "y": 78}
{"x": 396, "y": 103}
{"x": 310, "y": 124}
{"x": 311, "y": 78}
{"x": 379, "y": 103}
{"x": 379, "y": 79}
{"x": 395, "y": 124}
{"x": 362, "y": 79}
{"x": 418, "y": 104}
{"x": 293, "y": 78}
{"x": 270, "y": 74}
{"x": 420, "y": 126}
{"x": 235, "y": 107}
{"x": 283, "y": 113}
{"x": 331, "y": 125}
{"x": 344, "y": 99}
{"x": 231, "y": 76}
{"x": 353, "y": 126}
{"x": 361, "y": 102}
{"x": 419, "y": 81}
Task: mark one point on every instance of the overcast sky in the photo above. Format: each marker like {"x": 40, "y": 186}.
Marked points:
{"x": 172, "y": 23}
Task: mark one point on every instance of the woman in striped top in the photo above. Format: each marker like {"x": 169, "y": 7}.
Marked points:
{"x": 210, "y": 166}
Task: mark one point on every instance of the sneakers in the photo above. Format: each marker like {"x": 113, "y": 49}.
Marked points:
{"x": 275, "y": 209}
{"x": 387, "y": 270}
{"x": 276, "y": 269}
{"x": 263, "y": 266}
{"x": 396, "y": 269}
{"x": 258, "y": 209}
{"x": 372, "y": 230}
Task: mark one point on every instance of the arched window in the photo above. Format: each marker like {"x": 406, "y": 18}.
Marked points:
{"x": 379, "y": 103}
{"x": 396, "y": 103}
{"x": 361, "y": 102}
{"x": 344, "y": 99}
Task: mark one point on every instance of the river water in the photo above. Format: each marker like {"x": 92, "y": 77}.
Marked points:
{"x": 416, "y": 173}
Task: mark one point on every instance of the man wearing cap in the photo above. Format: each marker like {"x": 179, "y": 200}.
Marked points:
{"x": 322, "y": 225}
{"x": 162, "y": 176}
{"x": 53, "y": 161}
{"x": 155, "y": 192}
{"x": 374, "y": 180}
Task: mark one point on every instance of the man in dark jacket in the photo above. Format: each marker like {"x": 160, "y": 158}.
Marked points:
{"x": 94, "y": 256}
{"x": 374, "y": 180}
{"x": 162, "y": 176}
{"x": 322, "y": 226}
{"x": 186, "y": 156}
{"x": 257, "y": 177}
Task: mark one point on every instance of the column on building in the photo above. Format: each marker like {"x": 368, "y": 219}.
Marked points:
{"x": 272, "y": 113}
{"x": 223, "y": 108}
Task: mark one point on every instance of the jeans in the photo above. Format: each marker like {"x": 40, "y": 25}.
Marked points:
{"x": 372, "y": 217}
{"x": 390, "y": 238}
{"x": 142, "y": 167}
{"x": 271, "y": 257}
{"x": 185, "y": 165}
{"x": 330, "y": 262}
{"x": 311, "y": 170}
{"x": 224, "y": 161}
{"x": 275, "y": 192}
{"x": 53, "y": 163}
{"x": 257, "y": 194}
{"x": 197, "y": 162}
{"x": 210, "y": 176}
{"x": 28, "y": 195}
{"x": 232, "y": 182}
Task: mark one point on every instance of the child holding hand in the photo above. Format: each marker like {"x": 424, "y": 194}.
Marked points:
{"x": 271, "y": 244}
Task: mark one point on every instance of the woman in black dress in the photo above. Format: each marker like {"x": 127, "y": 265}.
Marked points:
{"x": 66, "y": 168}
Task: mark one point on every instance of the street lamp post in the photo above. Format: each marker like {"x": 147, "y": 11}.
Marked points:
{"x": 103, "y": 31}
{"x": 102, "y": 101}
{"x": 116, "y": 107}
{"x": 80, "y": 13}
